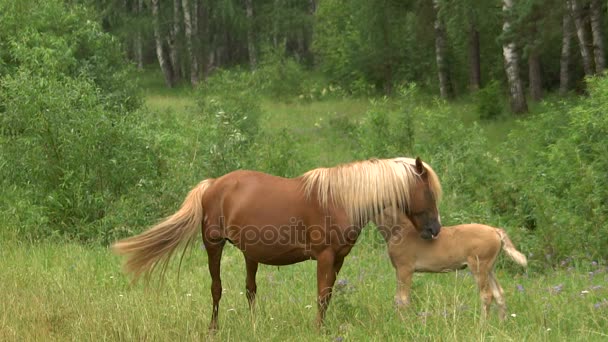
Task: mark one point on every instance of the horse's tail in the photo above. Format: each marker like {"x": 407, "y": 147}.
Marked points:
{"x": 509, "y": 248}
{"x": 156, "y": 245}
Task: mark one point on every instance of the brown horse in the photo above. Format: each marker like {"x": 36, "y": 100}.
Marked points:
{"x": 281, "y": 221}
{"x": 474, "y": 245}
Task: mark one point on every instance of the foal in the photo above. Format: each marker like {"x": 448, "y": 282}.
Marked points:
{"x": 456, "y": 247}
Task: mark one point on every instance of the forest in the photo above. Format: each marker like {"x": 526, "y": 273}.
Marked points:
{"x": 111, "y": 110}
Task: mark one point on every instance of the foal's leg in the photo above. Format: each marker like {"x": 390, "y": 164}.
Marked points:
{"x": 250, "y": 285}
{"x": 327, "y": 267}
{"x": 499, "y": 296}
{"x": 214, "y": 254}
{"x": 480, "y": 271}
{"x": 404, "y": 284}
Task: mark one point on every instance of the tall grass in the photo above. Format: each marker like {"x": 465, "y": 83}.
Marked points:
{"x": 75, "y": 292}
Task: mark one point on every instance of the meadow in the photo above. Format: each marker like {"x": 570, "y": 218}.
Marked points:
{"x": 61, "y": 289}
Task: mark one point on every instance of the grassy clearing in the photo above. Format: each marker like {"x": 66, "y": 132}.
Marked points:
{"x": 74, "y": 292}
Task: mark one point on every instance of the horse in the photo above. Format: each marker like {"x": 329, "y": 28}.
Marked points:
{"x": 474, "y": 245}
{"x": 281, "y": 221}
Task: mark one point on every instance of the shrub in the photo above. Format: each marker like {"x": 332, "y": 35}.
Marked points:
{"x": 489, "y": 101}
{"x": 69, "y": 138}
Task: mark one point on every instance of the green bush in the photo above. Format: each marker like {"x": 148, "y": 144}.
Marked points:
{"x": 558, "y": 170}
{"x": 69, "y": 138}
{"x": 489, "y": 100}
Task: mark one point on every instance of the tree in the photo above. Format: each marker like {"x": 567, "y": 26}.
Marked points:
{"x": 189, "y": 32}
{"x": 516, "y": 91}
{"x": 253, "y": 59}
{"x": 598, "y": 36}
{"x": 443, "y": 72}
{"x": 581, "y": 34}
{"x": 564, "y": 64}
{"x": 161, "y": 53}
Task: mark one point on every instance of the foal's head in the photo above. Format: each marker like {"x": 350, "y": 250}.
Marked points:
{"x": 423, "y": 210}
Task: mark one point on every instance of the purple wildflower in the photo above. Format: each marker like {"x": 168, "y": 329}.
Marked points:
{"x": 339, "y": 339}
{"x": 520, "y": 288}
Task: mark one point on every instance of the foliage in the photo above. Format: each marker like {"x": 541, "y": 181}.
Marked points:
{"x": 489, "y": 101}
{"x": 69, "y": 136}
{"x": 560, "y": 176}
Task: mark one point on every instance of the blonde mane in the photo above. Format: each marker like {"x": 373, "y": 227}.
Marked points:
{"x": 364, "y": 188}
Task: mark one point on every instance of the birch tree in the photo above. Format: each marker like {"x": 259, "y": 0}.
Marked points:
{"x": 598, "y": 37}
{"x": 164, "y": 63}
{"x": 253, "y": 60}
{"x": 564, "y": 62}
{"x": 509, "y": 49}
{"x": 445, "y": 87}
{"x": 189, "y": 31}
{"x": 581, "y": 34}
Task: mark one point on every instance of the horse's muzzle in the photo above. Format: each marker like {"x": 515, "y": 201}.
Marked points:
{"x": 431, "y": 233}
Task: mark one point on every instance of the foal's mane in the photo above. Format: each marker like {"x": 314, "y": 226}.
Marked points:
{"x": 364, "y": 188}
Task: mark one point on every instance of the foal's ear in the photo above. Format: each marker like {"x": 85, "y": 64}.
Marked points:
{"x": 420, "y": 167}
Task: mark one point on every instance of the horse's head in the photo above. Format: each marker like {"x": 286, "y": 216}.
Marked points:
{"x": 423, "y": 210}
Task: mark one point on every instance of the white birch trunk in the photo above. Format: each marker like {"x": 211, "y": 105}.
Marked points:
{"x": 189, "y": 32}
{"x": 564, "y": 62}
{"x": 253, "y": 60}
{"x": 440, "y": 54}
{"x": 581, "y": 34}
{"x": 165, "y": 66}
{"x": 598, "y": 37}
{"x": 172, "y": 40}
{"x": 516, "y": 89}
{"x": 139, "y": 55}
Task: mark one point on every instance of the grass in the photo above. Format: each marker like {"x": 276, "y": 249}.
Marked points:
{"x": 67, "y": 291}
{"x": 74, "y": 292}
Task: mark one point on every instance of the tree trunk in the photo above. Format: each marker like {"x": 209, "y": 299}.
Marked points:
{"x": 534, "y": 69}
{"x": 165, "y": 66}
{"x": 172, "y": 41}
{"x": 138, "y": 46}
{"x": 139, "y": 55}
{"x": 516, "y": 89}
{"x": 535, "y": 76}
{"x": 253, "y": 60}
{"x": 582, "y": 37}
{"x": 564, "y": 62}
{"x": 598, "y": 37}
{"x": 443, "y": 73}
{"x": 474, "y": 59}
{"x": 189, "y": 32}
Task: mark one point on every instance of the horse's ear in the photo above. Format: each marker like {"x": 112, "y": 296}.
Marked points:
{"x": 420, "y": 167}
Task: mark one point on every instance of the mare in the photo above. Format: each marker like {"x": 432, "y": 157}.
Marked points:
{"x": 282, "y": 221}
{"x": 474, "y": 245}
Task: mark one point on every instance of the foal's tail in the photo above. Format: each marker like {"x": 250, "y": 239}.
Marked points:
{"x": 509, "y": 248}
{"x": 156, "y": 245}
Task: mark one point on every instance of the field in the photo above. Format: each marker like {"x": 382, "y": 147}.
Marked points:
{"x": 73, "y": 291}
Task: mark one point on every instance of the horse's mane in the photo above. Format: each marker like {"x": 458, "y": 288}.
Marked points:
{"x": 364, "y": 188}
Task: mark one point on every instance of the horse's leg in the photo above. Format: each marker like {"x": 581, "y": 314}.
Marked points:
{"x": 250, "y": 285}
{"x": 404, "y": 284}
{"x": 480, "y": 272}
{"x": 499, "y": 296}
{"x": 214, "y": 254}
{"x": 326, "y": 277}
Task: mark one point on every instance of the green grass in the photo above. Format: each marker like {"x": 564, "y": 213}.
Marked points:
{"x": 74, "y": 292}
{"x": 67, "y": 291}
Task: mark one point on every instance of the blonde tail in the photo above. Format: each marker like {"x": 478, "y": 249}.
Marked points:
{"x": 156, "y": 245}
{"x": 509, "y": 248}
